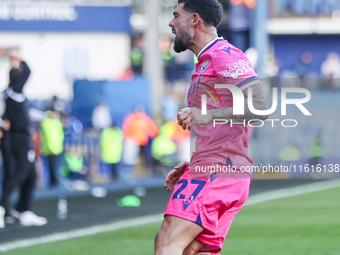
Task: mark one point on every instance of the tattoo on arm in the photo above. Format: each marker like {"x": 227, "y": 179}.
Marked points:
{"x": 157, "y": 239}
{"x": 259, "y": 103}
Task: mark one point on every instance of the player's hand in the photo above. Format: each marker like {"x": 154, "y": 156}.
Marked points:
{"x": 173, "y": 176}
{"x": 14, "y": 58}
{"x": 189, "y": 117}
{"x": 182, "y": 116}
{"x": 7, "y": 125}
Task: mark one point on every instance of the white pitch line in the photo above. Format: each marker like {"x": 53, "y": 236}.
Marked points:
{"x": 255, "y": 199}
{"x": 81, "y": 232}
{"x": 293, "y": 191}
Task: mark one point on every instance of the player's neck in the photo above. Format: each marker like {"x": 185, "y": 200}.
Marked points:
{"x": 201, "y": 39}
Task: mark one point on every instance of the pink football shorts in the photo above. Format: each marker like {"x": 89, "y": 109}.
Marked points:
{"x": 210, "y": 202}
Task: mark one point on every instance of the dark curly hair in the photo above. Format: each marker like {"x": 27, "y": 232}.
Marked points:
{"x": 210, "y": 11}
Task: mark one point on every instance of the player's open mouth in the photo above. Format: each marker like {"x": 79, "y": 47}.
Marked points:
{"x": 173, "y": 31}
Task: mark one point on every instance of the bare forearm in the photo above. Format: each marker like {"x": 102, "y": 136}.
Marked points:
{"x": 259, "y": 103}
{"x": 227, "y": 113}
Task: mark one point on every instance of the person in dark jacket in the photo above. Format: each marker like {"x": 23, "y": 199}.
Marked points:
{"x": 17, "y": 149}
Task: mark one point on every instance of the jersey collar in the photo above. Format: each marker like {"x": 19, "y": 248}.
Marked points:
{"x": 209, "y": 45}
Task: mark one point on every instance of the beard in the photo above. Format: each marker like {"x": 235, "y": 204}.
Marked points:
{"x": 180, "y": 44}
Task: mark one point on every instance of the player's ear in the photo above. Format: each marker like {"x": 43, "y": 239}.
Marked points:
{"x": 195, "y": 18}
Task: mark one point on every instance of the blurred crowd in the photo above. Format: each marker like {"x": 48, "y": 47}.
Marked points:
{"x": 304, "y": 7}
{"x": 302, "y": 73}
{"x": 177, "y": 67}
{"x": 67, "y": 152}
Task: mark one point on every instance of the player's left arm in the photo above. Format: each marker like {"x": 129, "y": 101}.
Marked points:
{"x": 189, "y": 117}
{"x": 259, "y": 103}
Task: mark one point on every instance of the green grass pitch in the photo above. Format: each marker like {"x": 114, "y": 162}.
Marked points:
{"x": 307, "y": 224}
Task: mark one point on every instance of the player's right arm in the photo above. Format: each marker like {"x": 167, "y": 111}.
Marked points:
{"x": 21, "y": 66}
{"x": 173, "y": 176}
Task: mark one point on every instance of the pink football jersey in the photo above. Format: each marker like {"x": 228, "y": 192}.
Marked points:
{"x": 220, "y": 63}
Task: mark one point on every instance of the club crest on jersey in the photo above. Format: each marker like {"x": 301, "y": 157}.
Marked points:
{"x": 204, "y": 67}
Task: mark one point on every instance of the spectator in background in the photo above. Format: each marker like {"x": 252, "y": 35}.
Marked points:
{"x": 111, "y": 142}
{"x": 101, "y": 117}
{"x": 171, "y": 134}
{"x": 137, "y": 55}
{"x": 57, "y": 105}
{"x": 164, "y": 149}
{"x": 73, "y": 129}
{"x": 317, "y": 154}
{"x": 271, "y": 67}
{"x": 330, "y": 69}
{"x": 290, "y": 153}
{"x": 168, "y": 58}
{"x": 138, "y": 127}
{"x": 52, "y": 140}
{"x": 73, "y": 168}
{"x": 125, "y": 75}
{"x": 72, "y": 162}
{"x": 303, "y": 67}
{"x": 317, "y": 150}
{"x": 21, "y": 167}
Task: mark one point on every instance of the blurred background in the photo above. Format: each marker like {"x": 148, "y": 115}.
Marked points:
{"x": 106, "y": 70}
{"x": 94, "y": 62}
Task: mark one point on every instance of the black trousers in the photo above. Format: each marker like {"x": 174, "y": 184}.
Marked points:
{"x": 114, "y": 174}
{"x": 19, "y": 170}
{"x": 52, "y": 161}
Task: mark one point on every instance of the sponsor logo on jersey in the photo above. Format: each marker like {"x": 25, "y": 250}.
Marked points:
{"x": 238, "y": 68}
{"x": 204, "y": 67}
{"x": 186, "y": 204}
{"x": 226, "y": 49}
{"x": 226, "y": 73}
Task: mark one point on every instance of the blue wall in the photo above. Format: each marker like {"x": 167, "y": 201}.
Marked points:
{"x": 121, "y": 96}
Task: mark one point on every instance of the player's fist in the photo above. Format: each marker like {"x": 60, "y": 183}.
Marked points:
{"x": 183, "y": 117}
{"x": 189, "y": 117}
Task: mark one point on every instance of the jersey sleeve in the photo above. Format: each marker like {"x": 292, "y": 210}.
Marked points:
{"x": 233, "y": 67}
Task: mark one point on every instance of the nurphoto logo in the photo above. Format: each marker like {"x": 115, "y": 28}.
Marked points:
{"x": 239, "y": 102}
